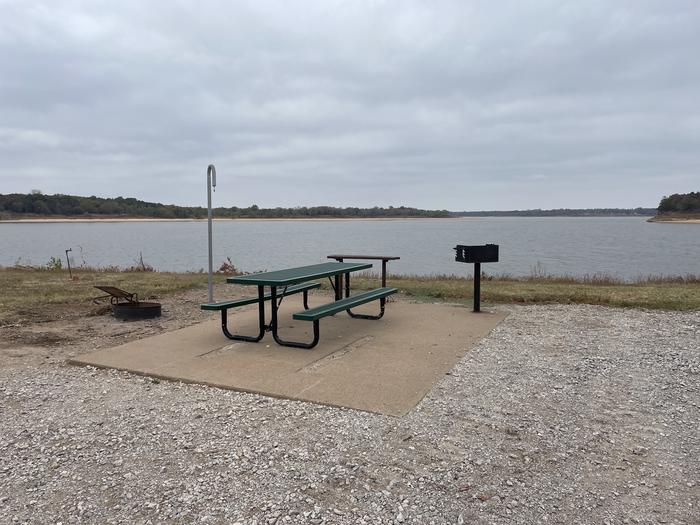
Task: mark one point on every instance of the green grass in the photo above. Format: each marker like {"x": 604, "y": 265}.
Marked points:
{"x": 28, "y": 290}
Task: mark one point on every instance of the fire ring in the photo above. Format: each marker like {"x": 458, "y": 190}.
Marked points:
{"x": 135, "y": 311}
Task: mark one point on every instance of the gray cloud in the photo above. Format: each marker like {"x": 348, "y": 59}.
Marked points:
{"x": 458, "y": 105}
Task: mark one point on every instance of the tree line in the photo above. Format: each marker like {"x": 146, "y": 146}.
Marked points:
{"x": 40, "y": 205}
{"x": 680, "y": 203}
{"x": 562, "y": 212}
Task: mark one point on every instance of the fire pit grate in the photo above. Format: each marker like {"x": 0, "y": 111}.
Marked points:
{"x": 131, "y": 308}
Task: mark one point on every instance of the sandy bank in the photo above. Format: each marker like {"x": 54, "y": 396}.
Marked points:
{"x": 675, "y": 221}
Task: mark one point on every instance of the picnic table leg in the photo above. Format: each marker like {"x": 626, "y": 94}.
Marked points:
{"x": 382, "y": 301}
{"x": 338, "y": 288}
{"x": 261, "y": 321}
{"x": 382, "y": 304}
{"x": 273, "y": 326}
{"x": 344, "y": 281}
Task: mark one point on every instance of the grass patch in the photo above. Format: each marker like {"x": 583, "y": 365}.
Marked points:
{"x": 32, "y": 289}
{"x": 661, "y": 293}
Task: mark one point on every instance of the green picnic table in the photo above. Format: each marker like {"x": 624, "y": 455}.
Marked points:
{"x": 289, "y": 281}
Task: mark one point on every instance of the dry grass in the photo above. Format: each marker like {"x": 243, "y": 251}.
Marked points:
{"x": 662, "y": 293}
{"x": 31, "y": 289}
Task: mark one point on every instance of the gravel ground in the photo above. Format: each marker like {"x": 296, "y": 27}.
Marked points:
{"x": 564, "y": 414}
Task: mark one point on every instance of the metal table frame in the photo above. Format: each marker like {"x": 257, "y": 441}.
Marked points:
{"x": 283, "y": 279}
{"x": 382, "y": 302}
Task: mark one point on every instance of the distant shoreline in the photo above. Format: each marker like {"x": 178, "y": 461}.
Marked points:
{"x": 676, "y": 221}
{"x": 673, "y": 220}
{"x": 225, "y": 219}
{"x": 49, "y": 220}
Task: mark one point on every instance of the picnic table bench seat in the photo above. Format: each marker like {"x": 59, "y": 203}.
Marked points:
{"x": 225, "y": 305}
{"x": 314, "y": 314}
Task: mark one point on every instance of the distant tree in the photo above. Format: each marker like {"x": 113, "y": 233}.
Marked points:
{"x": 680, "y": 203}
{"x": 41, "y": 208}
{"x": 69, "y": 205}
{"x": 108, "y": 208}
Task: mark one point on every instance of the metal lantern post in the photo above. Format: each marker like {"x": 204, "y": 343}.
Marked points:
{"x": 211, "y": 183}
{"x": 70, "y": 272}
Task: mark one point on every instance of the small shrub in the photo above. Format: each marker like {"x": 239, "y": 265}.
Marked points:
{"x": 227, "y": 267}
{"x": 140, "y": 266}
{"x": 54, "y": 264}
{"x": 113, "y": 268}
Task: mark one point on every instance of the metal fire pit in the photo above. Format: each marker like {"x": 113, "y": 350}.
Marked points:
{"x": 133, "y": 311}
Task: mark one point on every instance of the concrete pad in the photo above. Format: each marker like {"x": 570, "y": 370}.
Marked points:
{"x": 384, "y": 366}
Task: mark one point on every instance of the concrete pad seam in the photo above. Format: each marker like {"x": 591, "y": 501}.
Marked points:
{"x": 335, "y": 354}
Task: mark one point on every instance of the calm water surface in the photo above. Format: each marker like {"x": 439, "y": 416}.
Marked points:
{"x": 623, "y": 247}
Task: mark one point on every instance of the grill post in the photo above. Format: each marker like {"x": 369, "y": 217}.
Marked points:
{"x": 477, "y": 287}
{"x": 477, "y": 255}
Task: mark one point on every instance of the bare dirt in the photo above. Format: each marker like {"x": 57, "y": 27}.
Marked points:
{"x": 52, "y": 334}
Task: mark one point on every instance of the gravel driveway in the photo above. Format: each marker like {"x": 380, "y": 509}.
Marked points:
{"x": 564, "y": 414}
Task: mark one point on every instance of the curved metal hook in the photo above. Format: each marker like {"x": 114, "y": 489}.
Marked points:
{"x": 211, "y": 181}
{"x": 211, "y": 176}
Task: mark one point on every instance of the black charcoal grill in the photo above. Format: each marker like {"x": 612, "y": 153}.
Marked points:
{"x": 477, "y": 254}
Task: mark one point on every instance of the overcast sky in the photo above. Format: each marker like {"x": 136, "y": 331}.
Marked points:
{"x": 459, "y": 104}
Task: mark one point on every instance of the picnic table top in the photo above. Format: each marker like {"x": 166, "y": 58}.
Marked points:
{"x": 298, "y": 275}
{"x": 368, "y": 257}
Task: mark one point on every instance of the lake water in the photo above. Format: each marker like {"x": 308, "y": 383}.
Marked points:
{"x": 625, "y": 247}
